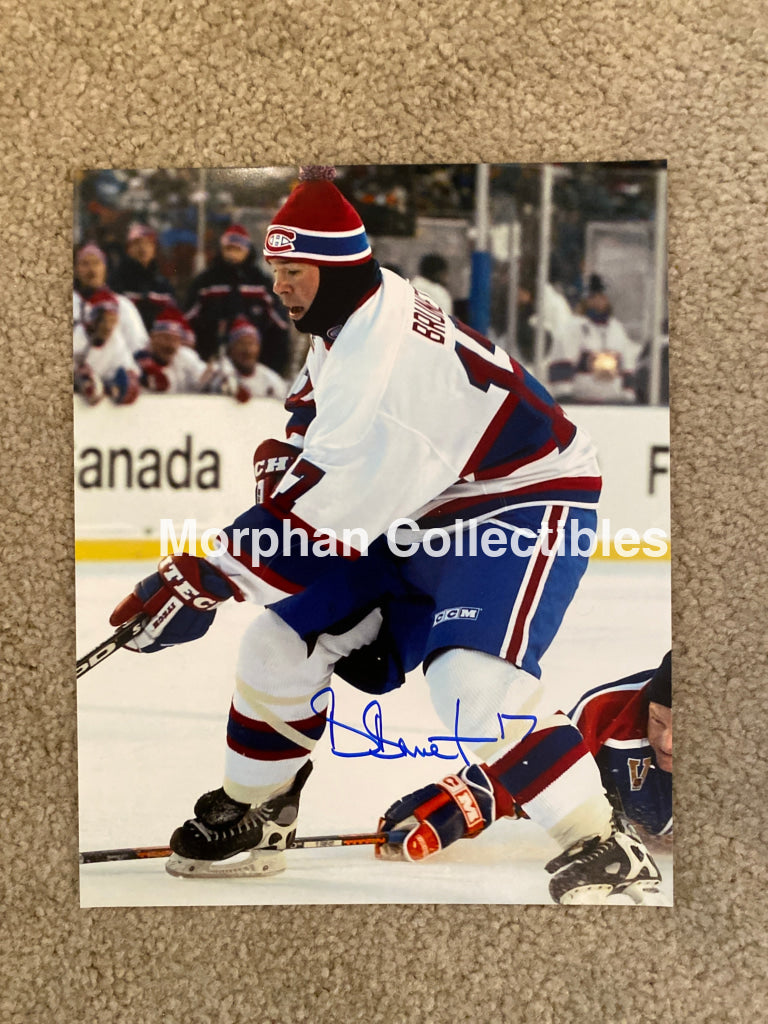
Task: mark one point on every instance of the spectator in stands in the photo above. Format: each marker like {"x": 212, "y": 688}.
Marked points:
{"x": 103, "y": 363}
{"x": 90, "y": 277}
{"x": 251, "y": 379}
{"x": 169, "y": 364}
{"x": 138, "y": 277}
{"x": 595, "y": 359}
{"x": 432, "y": 279}
{"x": 234, "y": 286}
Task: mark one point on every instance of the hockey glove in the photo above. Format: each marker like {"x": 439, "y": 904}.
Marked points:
{"x": 425, "y": 822}
{"x": 153, "y": 375}
{"x": 179, "y": 602}
{"x": 271, "y": 462}
{"x": 124, "y": 387}
{"x": 88, "y": 385}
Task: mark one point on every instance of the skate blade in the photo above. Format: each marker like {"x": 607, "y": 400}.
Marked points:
{"x": 257, "y": 864}
{"x": 646, "y": 894}
{"x": 587, "y": 896}
{"x": 643, "y": 893}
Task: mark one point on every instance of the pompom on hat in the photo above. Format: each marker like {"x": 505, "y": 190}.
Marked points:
{"x": 316, "y": 224}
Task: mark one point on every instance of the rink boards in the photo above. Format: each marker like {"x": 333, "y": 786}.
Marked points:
{"x": 177, "y": 457}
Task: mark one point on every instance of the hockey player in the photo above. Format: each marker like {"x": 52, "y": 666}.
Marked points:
{"x": 627, "y": 725}
{"x": 103, "y": 364}
{"x": 169, "y": 364}
{"x": 247, "y": 377}
{"x": 90, "y": 277}
{"x": 401, "y": 415}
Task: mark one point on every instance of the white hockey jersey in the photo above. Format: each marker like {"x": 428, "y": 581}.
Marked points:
{"x": 129, "y": 322}
{"x": 104, "y": 360}
{"x": 262, "y": 383}
{"x": 185, "y": 374}
{"x": 408, "y": 414}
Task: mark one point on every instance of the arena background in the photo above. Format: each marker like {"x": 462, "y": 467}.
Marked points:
{"x": 378, "y": 83}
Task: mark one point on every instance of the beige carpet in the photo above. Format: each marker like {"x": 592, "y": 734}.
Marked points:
{"x": 190, "y": 84}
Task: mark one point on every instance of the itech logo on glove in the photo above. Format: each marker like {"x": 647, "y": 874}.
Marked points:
{"x": 181, "y": 586}
{"x": 456, "y": 613}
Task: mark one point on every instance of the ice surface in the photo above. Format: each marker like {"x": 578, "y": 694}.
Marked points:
{"x": 151, "y": 740}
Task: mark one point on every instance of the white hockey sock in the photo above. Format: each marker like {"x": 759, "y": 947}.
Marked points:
{"x": 538, "y": 756}
{"x": 278, "y": 713}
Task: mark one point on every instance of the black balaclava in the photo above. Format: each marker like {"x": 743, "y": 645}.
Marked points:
{"x": 338, "y": 294}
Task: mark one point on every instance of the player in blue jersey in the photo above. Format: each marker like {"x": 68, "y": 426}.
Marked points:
{"x": 627, "y": 725}
{"x": 466, "y": 493}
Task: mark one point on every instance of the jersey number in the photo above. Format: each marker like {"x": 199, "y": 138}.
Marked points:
{"x": 303, "y": 476}
{"x": 481, "y": 373}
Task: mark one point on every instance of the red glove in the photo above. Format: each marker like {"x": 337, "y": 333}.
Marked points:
{"x": 179, "y": 602}
{"x": 88, "y": 385}
{"x": 271, "y": 461}
{"x": 153, "y": 375}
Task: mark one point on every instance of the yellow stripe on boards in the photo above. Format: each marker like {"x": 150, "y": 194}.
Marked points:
{"x": 120, "y": 549}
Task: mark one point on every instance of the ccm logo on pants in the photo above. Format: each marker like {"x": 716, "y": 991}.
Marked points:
{"x": 456, "y": 613}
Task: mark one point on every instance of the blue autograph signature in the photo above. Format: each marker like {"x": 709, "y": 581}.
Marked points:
{"x": 380, "y": 747}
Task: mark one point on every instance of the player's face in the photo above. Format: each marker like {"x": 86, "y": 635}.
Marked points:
{"x": 234, "y": 253}
{"x": 244, "y": 353}
{"x": 295, "y": 285}
{"x": 91, "y": 271}
{"x": 165, "y": 345}
{"x": 106, "y": 322}
{"x": 660, "y": 734}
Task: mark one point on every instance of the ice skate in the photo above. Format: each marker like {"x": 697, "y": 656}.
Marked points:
{"x": 618, "y": 869}
{"x": 222, "y": 828}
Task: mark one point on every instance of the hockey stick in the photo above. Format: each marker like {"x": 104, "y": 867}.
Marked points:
{"x": 113, "y": 643}
{"x": 307, "y": 843}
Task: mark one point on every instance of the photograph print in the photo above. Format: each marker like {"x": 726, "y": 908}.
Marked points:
{"x": 372, "y": 535}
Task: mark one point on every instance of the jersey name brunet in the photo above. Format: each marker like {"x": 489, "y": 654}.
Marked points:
{"x": 428, "y": 319}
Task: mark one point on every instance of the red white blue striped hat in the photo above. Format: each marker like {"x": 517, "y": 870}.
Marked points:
{"x": 101, "y": 301}
{"x": 316, "y": 224}
{"x": 241, "y": 325}
{"x": 171, "y": 320}
{"x": 236, "y": 235}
